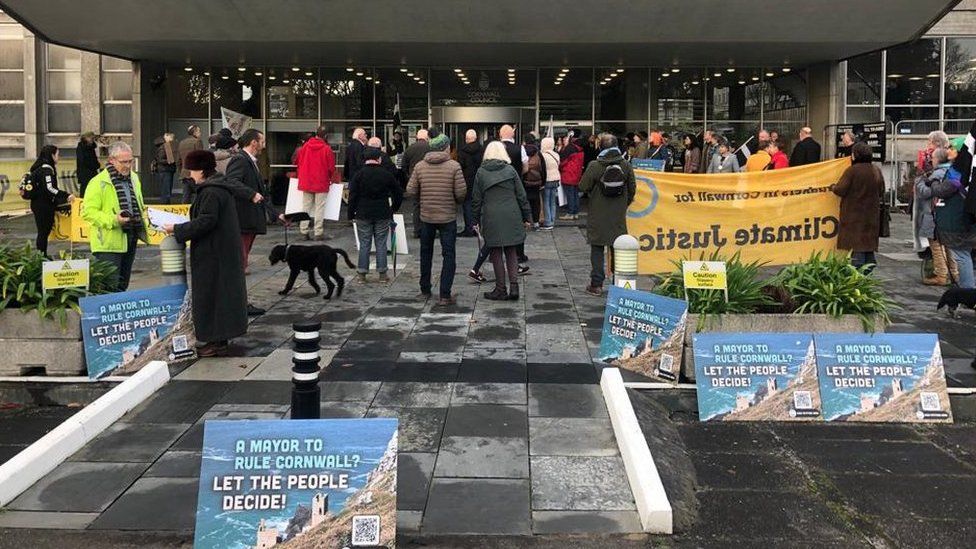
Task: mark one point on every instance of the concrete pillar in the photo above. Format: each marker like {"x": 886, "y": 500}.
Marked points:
{"x": 825, "y": 99}
{"x": 35, "y": 95}
{"x": 148, "y": 111}
{"x": 91, "y": 99}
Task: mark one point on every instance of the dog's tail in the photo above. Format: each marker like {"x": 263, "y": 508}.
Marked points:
{"x": 346, "y": 257}
{"x": 943, "y": 301}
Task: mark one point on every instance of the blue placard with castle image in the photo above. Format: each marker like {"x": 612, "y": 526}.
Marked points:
{"x": 644, "y": 333}
{"x": 882, "y": 378}
{"x": 756, "y": 377}
{"x": 326, "y": 483}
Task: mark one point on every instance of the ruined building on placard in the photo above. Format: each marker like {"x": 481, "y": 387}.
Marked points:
{"x": 320, "y": 508}
{"x": 267, "y": 537}
{"x": 871, "y": 401}
{"x": 765, "y": 391}
{"x": 302, "y": 521}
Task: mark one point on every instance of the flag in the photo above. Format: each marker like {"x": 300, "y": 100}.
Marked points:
{"x": 396, "y": 113}
{"x": 234, "y": 121}
{"x": 549, "y": 130}
{"x": 964, "y": 165}
{"x": 743, "y": 153}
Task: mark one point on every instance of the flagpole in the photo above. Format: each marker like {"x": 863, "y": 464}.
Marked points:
{"x": 744, "y": 144}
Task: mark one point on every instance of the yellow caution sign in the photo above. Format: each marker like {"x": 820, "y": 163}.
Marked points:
{"x": 71, "y": 273}
{"x": 705, "y": 275}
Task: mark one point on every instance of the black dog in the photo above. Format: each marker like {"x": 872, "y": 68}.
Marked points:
{"x": 309, "y": 258}
{"x": 954, "y": 297}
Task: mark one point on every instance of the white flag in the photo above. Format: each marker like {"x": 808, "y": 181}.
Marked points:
{"x": 234, "y": 121}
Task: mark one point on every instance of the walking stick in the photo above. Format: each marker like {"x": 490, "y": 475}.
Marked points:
{"x": 393, "y": 226}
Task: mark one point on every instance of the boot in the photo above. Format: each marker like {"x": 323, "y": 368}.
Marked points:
{"x": 935, "y": 281}
{"x": 498, "y": 294}
{"x": 513, "y": 292}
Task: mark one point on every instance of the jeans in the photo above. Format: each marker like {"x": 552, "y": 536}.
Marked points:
{"x": 572, "y": 199}
{"x": 468, "y": 214}
{"x": 164, "y": 181}
{"x": 598, "y": 272}
{"x": 482, "y": 257}
{"x": 448, "y": 235}
{"x": 369, "y": 230}
{"x": 964, "y": 259}
{"x": 503, "y": 259}
{"x": 122, "y": 261}
{"x": 44, "y": 220}
{"x": 550, "y": 202}
{"x": 859, "y": 259}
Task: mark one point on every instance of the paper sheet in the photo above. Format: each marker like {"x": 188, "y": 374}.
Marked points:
{"x": 561, "y": 195}
{"x": 333, "y": 202}
{"x": 159, "y": 218}
{"x": 401, "y": 236}
{"x": 294, "y": 203}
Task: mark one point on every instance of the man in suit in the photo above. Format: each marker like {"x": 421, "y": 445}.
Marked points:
{"x": 354, "y": 154}
{"x": 252, "y": 208}
{"x": 806, "y": 151}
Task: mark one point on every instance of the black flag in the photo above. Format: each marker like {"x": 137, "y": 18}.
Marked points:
{"x": 396, "y": 113}
{"x": 964, "y": 165}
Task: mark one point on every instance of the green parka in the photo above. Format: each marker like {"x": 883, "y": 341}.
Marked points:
{"x": 499, "y": 204}
{"x": 607, "y": 217}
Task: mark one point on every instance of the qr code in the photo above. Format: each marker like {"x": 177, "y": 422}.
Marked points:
{"x": 667, "y": 364}
{"x": 930, "y": 402}
{"x": 802, "y": 400}
{"x": 365, "y": 530}
{"x": 180, "y": 344}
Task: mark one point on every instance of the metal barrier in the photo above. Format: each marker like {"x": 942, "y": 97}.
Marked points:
{"x": 897, "y": 174}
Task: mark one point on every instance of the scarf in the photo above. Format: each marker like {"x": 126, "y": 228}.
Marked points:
{"x": 127, "y": 198}
{"x": 605, "y": 152}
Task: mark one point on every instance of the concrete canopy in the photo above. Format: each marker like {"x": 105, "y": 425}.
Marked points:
{"x": 479, "y": 32}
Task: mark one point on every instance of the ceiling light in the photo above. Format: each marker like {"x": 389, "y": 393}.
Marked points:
{"x": 511, "y": 70}
{"x": 349, "y": 69}
{"x": 241, "y": 69}
{"x": 296, "y": 69}
{"x": 730, "y": 69}
{"x": 619, "y": 71}
{"x": 716, "y": 75}
{"x": 675, "y": 70}
{"x": 755, "y": 79}
{"x": 421, "y": 82}
{"x": 457, "y": 70}
{"x": 308, "y": 73}
{"x": 769, "y": 74}
{"x": 931, "y": 76}
{"x": 665, "y": 74}
{"x": 557, "y": 83}
{"x": 224, "y": 77}
{"x": 188, "y": 69}
{"x": 403, "y": 69}
{"x": 915, "y": 78}
{"x": 286, "y": 81}
{"x": 258, "y": 73}
{"x": 695, "y": 82}
{"x": 206, "y": 73}
{"x": 741, "y": 82}
{"x": 369, "y": 78}
{"x": 410, "y": 74}
{"x": 895, "y": 75}
{"x": 377, "y": 82}
{"x": 271, "y": 77}
{"x": 240, "y": 81}
{"x": 359, "y": 73}
{"x": 787, "y": 69}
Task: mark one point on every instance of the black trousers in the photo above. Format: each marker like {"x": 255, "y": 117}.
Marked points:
{"x": 44, "y": 220}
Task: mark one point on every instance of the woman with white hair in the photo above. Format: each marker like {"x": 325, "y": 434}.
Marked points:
{"x": 923, "y": 163}
{"x": 502, "y": 213}
{"x": 550, "y": 191}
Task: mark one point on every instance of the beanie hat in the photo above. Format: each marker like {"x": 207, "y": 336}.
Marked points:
{"x": 200, "y": 160}
{"x": 371, "y": 153}
{"x": 225, "y": 132}
{"x": 440, "y": 142}
{"x": 224, "y": 141}
{"x": 958, "y": 143}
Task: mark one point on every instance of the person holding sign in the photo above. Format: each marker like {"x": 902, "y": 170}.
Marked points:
{"x": 216, "y": 266}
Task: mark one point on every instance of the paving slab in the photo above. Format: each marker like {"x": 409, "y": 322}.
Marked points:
{"x": 192, "y": 439}
{"x": 153, "y": 504}
{"x": 178, "y": 464}
{"x": 46, "y": 520}
{"x": 424, "y": 356}
{"x": 566, "y": 400}
{"x": 131, "y": 442}
{"x": 220, "y": 369}
{"x": 277, "y": 365}
{"x": 179, "y": 402}
{"x": 413, "y": 394}
{"x": 492, "y": 371}
{"x": 426, "y": 371}
{"x": 563, "y": 436}
{"x": 859, "y": 456}
{"x": 414, "y": 472}
{"x": 586, "y": 522}
{"x": 544, "y": 372}
{"x": 580, "y": 484}
{"x": 79, "y": 487}
{"x": 489, "y": 393}
{"x": 482, "y": 420}
{"x": 340, "y": 409}
{"x": 478, "y": 506}
{"x": 483, "y": 457}
{"x": 930, "y": 495}
{"x": 420, "y": 428}
{"x": 361, "y": 391}
{"x": 740, "y": 471}
{"x": 259, "y": 392}
{"x": 409, "y": 521}
{"x": 777, "y": 515}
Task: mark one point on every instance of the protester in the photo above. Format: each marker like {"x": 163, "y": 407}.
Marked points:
{"x": 693, "y": 154}
{"x": 954, "y": 226}
{"x": 672, "y": 152}
{"x": 759, "y": 160}
{"x": 374, "y": 195}
{"x": 943, "y": 264}
{"x": 807, "y": 150}
{"x": 847, "y": 140}
{"x": 164, "y": 166}
{"x": 659, "y": 151}
{"x": 86, "y": 161}
{"x": 46, "y": 197}
{"x": 590, "y": 149}
{"x": 571, "y": 166}
{"x": 709, "y": 149}
{"x": 438, "y": 183}
{"x": 860, "y": 189}
{"x": 469, "y": 156}
{"x": 216, "y": 267}
{"x": 923, "y": 162}
{"x": 411, "y": 156}
{"x": 395, "y": 148}
{"x": 724, "y": 161}
{"x": 503, "y": 214}
{"x": 641, "y": 149}
{"x": 550, "y": 193}
{"x": 385, "y": 162}
{"x": 187, "y": 145}
{"x": 354, "y": 154}
{"x": 534, "y": 178}
{"x": 224, "y": 148}
{"x": 316, "y": 168}
{"x": 113, "y": 207}
{"x": 774, "y": 136}
{"x": 777, "y": 158}
{"x": 611, "y": 186}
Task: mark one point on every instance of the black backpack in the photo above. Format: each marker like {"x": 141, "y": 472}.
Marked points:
{"x": 613, "y": 182}
{"x": 29, "y": 188}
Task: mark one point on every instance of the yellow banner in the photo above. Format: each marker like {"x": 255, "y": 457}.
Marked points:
{"x": 776, "y": 216}
{"x": 73, "y": 227}
{"x": 11, "y": 171}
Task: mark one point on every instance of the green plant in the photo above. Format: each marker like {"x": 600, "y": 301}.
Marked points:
{"x": 21, "y": 288}
{"x": 829, "y": 284}
{"x": 745, "y": 289}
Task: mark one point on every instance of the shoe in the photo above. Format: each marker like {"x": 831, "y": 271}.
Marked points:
{"x": 566, "y": 217}
{"x": 497, "y": 295}
{"x": 384, "y": 277}
{"x": 545, "y": 228}
{"x": 594, "y": 290}
{"x": 935, "y": 281}
{"x": 446, "y": 301}
{"x": 513, "y": 292}
{"x": 254, "y": 311}
{"x": 522, "y": 269}
{"x": 535, "y": 226}
{"x": 467, "y": 234}
{"x": 361, "y": 278}
{"x": 523, "y": 259}
{"x": 423, "y": 295}
{"x": 477, "y": 277}
{"x": 213, "y": 348}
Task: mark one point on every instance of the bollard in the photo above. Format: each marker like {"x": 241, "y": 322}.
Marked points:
{"x": 305, "y": 392}
{"x": 172, "y": 257}
{"x": 625, "y": 249}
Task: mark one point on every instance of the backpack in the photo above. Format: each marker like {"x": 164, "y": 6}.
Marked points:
{"x": 29, "y": 188}
{"x": 613, "y": 181}
{"x": 535, "y": 175}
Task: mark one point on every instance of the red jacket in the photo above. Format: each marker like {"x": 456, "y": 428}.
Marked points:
{"x": 779, "y": 161}
{"x": 571, "y": 166}
{"x": 316, "y": 164}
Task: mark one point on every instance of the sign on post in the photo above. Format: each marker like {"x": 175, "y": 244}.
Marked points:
{"x": 705, "y": 275}
{"x": 327, "y": 483}
{"x": 65, "y": 273}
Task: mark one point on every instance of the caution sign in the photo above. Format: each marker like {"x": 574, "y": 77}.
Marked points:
{"x": 71, "y": 273}
{"x": 705, "y": 275}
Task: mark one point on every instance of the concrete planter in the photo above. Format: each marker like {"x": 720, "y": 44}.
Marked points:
{"x": 30, "y": 342}
{"x": 767, "y": 323}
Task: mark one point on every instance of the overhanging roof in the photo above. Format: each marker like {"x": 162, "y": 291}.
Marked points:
{"x": 479, "y": 32}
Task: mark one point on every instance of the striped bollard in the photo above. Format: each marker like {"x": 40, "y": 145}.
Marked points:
{"x": 305, "y": 390}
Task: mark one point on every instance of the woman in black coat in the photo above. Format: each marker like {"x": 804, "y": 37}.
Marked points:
{"x": 46, "y": 196}
{"x": 216, "y": 267}
{"x": 87, "y": 165}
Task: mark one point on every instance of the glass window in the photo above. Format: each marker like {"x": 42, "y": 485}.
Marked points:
{"x": 347, "y": 95}
{"x": 733, "y": 94}
{"x": 117, "y": 118}
{"x": 898, "y": 114}
{"x": 11, "y": 86}
{"x": 115, "y": 64}
{"x": 785, "y": 96}
{"x": 11, "y": 47}
{"x": 566, "y": 94}
{"x": 465, "y": 87}
{"x": 621, "y": 94}
{"x": 913, "y": 73}
{"x": 960, "y": 71}
{"x": 620, "y": 129}
{"x": 240, "y": 92}
{"x": 63, "y": 118}
{"x": 735, "y": 132}
{"x": 12, "y": 153}
{"x": 117, "y": 86}
{"x": 61, "y": 58}
{"x": 857, "y": 115}
{"x": 64, "y": 86}
{"x": 864, "y": 80}
{"x": 413, "y": 94}
{"x": 187, "y": 94}
{"x": 678, "y": 97}
{"x": 958, "y": 120}
{"x": 12, "y": 118}
{"x": 290, "y": 98}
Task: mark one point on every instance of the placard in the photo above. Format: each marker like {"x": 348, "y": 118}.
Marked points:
{"x": 325, "y": 483}
{"x": 333, "y": 202}
{"x": 124, "y": 331}
{"x": 875, "y": 134}
{"x": 644, "y": 333}
{"x": 756, "y": 377}
{"x": 651, "y": 165}
{"x": 704, "y": 275}
{"x": 65, "y": 273}
{"x": 882, "y": 378}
